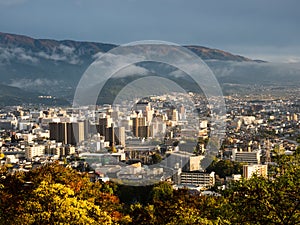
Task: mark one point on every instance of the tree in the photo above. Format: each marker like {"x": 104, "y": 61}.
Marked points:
{"x": 144, "y": 215}
{"x": 162, "y": 192}
{"x": 156, "y": 158}
{"x": 274, "y": 200}
{"x": 57, "y": 204}
{"x": 21, "y": 190}
{"x": 225, "y": 168}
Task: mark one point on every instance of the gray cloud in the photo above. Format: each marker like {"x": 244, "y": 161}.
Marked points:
{"x": 256, "y": 73}
{"x": 29, "y": 83}
{"x": 8, "y": 54}
{"x": 61, "y": 53}
{"x": 131, "y": 70}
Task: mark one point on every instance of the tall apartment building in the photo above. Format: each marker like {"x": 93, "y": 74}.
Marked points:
{"x": 158, "y": 127}
{"x": 75, "y": 132}
{"x": 115, "y": 135}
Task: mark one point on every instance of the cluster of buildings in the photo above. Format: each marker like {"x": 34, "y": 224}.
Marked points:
{"x": 156, "y": 138}
{"x": 255, "y": 128}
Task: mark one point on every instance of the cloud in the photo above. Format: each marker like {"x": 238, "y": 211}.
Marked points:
{"x": 293, "y": 59}
{"x": 29, "y": 83}
{"x": 98, "y": 55}
{"x": 256, "y": 73}
{"x": 66, "y": 49}
{"x": 61, "y": 53}
{"x": 177, "y": 74}
{"x": 112, "y": 65}
{"x": 8, "y": 54}
{"x": 131, "y": 71}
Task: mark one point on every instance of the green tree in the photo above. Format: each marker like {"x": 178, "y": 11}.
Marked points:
{"x": 156, "y": 158}
{"x": 162, "y": 192}
{"x": 225, "y": 168}
{"x": 274, "y": 200}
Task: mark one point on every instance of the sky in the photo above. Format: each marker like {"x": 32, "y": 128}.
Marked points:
{"x": 260, "y": 29}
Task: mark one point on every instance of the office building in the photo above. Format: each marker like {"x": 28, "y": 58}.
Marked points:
{"x": 67, "y": 133}
{"x": 103, "y": 124}
{"x": 139, "y": 127}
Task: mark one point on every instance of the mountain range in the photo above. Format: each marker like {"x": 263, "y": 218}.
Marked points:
{"x": 33, "y": 67}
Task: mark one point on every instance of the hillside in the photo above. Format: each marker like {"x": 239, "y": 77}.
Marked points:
{"x": 53, "y": 67}
{"x": 16, "y": 96}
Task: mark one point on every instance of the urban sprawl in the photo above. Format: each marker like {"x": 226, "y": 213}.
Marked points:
{"x": 159, "y": 138}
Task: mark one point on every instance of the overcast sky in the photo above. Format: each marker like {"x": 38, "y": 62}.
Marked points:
{"x": 262, "y": 29}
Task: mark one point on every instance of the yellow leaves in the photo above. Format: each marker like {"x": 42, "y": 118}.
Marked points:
{"x": 57, "y": 195}
{"x": 57, "y": 204}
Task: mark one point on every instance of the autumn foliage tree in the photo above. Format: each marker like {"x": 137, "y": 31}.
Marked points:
{"x": 51, "y": 192}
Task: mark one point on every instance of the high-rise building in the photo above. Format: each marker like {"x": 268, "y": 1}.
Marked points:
{"x": 103, "y": 124}
{"x": 136, "y": 123}
{"x": 157, "y": 127}
{"x": 120, "y": 136}
{"x": 110, "y": 135}
{"x": 58, "y": 131}
{"x": 142, "y": 105}
{"x": 193, "y": 164}
{"x": 175, "y": 115}
{"x": 182, "y": 113}
{"x": 172, "y": 114}
{"x": 67, "y": 133}
{"x": 75, "y": 132}
{"x": 143, "y": 131}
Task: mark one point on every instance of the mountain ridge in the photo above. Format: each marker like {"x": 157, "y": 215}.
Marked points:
{"x": 16, "y": 40}
{"x": 53, "y": 67}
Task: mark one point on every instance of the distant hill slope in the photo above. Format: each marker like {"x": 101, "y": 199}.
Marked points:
{"x": 208, "y": 53}
{"x": 16, "y": 96}
{"x": 82, "y": 48}
{"x": 54, "y": 67}
{"x": 48, "y": 45}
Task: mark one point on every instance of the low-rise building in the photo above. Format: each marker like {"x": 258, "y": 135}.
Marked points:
{"x": 259, "y": 170}
{"x": 197, "y": 178}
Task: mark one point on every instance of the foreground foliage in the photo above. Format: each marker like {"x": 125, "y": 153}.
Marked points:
{"x": 53, "y": 194}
